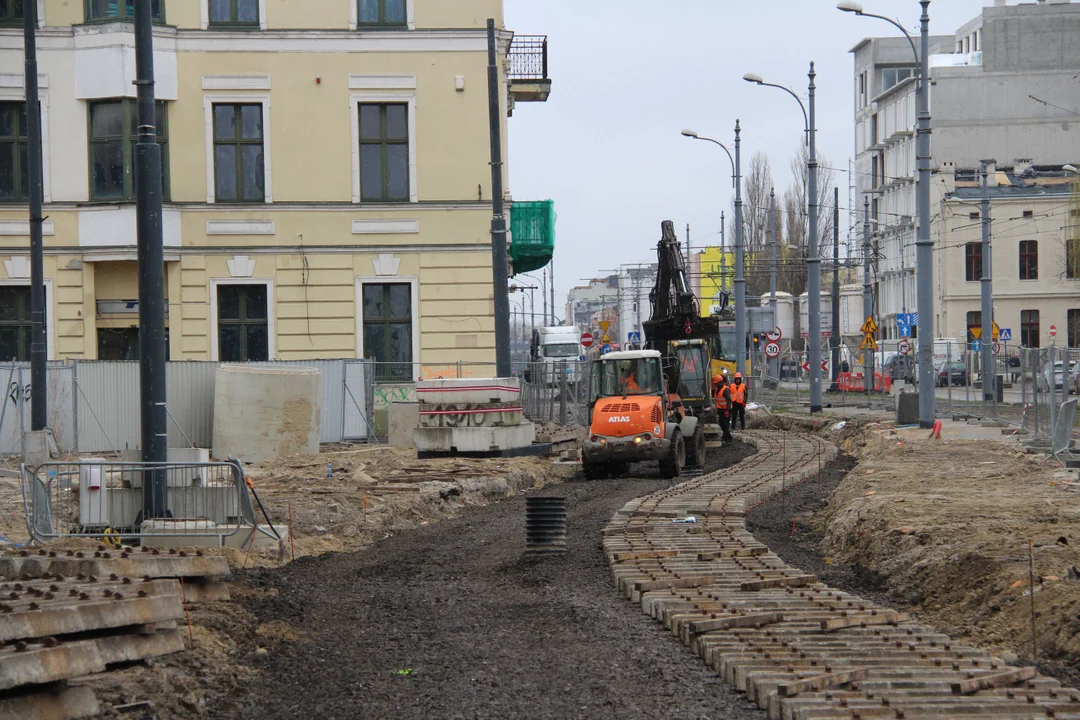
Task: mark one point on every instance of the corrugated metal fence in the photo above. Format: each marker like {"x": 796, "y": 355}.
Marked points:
{"x": 94, "y": 405}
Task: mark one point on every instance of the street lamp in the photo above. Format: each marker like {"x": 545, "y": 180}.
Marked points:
{"x": 740, "y": 249}
{"x": 813, "y": 282}
{"x": 924, "y": 244}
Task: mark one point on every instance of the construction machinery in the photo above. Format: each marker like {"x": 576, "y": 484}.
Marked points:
{"x": 635, "y": 417}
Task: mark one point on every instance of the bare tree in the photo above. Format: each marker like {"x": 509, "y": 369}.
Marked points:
{"x": 757, "y": 184}
{"x": 796, "y": 229}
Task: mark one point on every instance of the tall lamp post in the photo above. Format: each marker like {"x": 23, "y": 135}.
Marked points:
{"x": 924, "y": 244}
{"x": 813, "y": 283}
{"x": 740, "y": 247}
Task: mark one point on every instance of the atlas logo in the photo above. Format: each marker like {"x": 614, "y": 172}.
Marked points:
{"x": 624, "y": 418}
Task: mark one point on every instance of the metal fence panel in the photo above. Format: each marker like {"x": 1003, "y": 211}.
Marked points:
{"x": 189, "y": 387}
{"x": 357, "y": 399}
{"x": 107, "y": 405}
{"x": 16, "y": 406}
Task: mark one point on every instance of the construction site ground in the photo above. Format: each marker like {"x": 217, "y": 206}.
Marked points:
{"x": 941, "y": 528}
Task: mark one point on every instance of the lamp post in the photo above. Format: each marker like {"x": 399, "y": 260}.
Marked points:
{"x": 924, "y": 244}
{"x": 813, "y": 261}
{"x": 740, "y": 248}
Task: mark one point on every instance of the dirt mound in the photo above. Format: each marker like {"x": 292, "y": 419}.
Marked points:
{"x": 948, "y": 523}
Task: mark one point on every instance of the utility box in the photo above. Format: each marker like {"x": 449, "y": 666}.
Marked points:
{"x": 93, "y": 494}
{"x": 907, "y": 408}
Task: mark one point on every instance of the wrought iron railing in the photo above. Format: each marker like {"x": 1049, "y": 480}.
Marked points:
{"x": 529, "y": 57}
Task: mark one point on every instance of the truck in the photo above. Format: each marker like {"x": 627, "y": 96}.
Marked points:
{"x": 633, "y": 417}
{"x": 557, "y": 350}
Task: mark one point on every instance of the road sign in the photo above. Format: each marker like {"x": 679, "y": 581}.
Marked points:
{"x": 634, "y": 337}
{"x": 997, "y": 348}
{"x": 774, "y": 335}
{"x": 996, "y": 331}
{"x": 772, "y": 349}
{"x": 1053, "y": 331}
{"x": 905, "y": 347}
{"x": 868, "y": 343}
{"x": 869, "y": 327}
{"x": 806, "y": 366}
{"x": 606, "y": 339}
{"x": 1005, "y": 334}
{"x": 907, "y": 319}
{"x": 586, "y": 339}
{"x": 976, "y": 333}
{"x": 905, "y": 331}
{"x": 604, "y": 325}
{"x": 976, "y": 346}
{"x": 824, "y": 366}
{"x": 605, "y": 349}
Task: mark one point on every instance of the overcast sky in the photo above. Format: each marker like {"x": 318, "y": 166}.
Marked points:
{"x": 629, "y": 75}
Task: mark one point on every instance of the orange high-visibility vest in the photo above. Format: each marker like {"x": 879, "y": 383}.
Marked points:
{"x": 738, "y": 394}
{"x": 722, "y": 401}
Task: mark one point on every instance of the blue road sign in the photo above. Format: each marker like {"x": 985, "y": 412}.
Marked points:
{"x": 976, "y": 346}
{"x": 1005, "y": 334}
{"x": 907, "y": 319}
{"x": 634, "y": 337}
{"x": 605, "y": 349}
{"x": 905, "y": 330}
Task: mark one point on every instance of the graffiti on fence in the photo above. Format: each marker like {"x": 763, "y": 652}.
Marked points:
{"x": 14, "y": 391}
{"x": 444, "y": 372}
{"x": 386, "y": 395}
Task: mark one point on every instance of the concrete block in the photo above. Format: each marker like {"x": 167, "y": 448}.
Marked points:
{"x": 404, "y": 418}
{"x": 35, "y": 447}
{"x": 474, "y": 439}
{"x": 136, "y": 565}
{"x": 69, "y": 703}
{"x": 470, "y": 414}
{"x": 65, "y": 615}
{"x": 469, "y": 390}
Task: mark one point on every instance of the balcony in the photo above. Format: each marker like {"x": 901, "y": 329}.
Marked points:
{"x": 528, "y": 73}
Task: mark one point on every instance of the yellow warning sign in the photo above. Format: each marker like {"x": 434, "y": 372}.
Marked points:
{"x": 996, "y": 330}
{"x": 605, "y": 339}
{"x": 869, "y": 343}
{"x": 869, "y": 327}
{"x": 976, "y": 333}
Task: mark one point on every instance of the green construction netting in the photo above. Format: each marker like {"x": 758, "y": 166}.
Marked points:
{"x": 532, "y": 228}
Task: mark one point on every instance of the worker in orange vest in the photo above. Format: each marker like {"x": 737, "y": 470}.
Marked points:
{"x": 722, "y": 399}
{"x": 738, "y": 402}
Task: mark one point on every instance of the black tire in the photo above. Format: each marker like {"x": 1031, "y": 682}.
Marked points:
{"x": 695, "y": 450}
{"x": 672, "y": 465}
{"x": 595, "y": 470}
{"x": 619, "y": 469}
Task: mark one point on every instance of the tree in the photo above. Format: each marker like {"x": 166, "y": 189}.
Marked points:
{"x": 757, "y": 184}
{"x": 793, "y": 276}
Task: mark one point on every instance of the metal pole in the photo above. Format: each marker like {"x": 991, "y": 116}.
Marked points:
{"x": 867, "y": 293}
{"x": 38, "y": 343}
{"x": 835, "y": 340}
{"x": 924, "y": 244}
{"x": 499, "y": 263}
{"x": 543, "y": 294}
{"x": 740, "y": 261}
{"x": 774, "y": 364}
{"x": 988, "y": 376}
{"x": 813, "y": 284}
{"x": 155, "y": 428}
{"x": 723, "y": 255}
{"x": 551, "y": 289}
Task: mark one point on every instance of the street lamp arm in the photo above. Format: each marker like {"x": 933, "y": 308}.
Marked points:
{"x": 792, "y": 93}
{"x": 722, "y": 147}
{"x": 899, "y": 27}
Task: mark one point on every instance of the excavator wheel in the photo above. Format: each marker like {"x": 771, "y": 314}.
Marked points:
{"x": 673, "y": 464}
{"x": 695, "y": 450}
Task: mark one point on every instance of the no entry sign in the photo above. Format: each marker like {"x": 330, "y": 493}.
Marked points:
{"x": 586, "y": 339}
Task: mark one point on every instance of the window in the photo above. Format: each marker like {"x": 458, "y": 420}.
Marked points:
{"x": 1073, "y": 323}
{"x": 862, "y": 90}
{"x": 384, "y": 152}
{"x": 974, "y": 320}
{"x": 1029, "y": 213}
{"x": 243, "y": 323}
{"x": 14, "y": 178}
{"x": 973, "y": 216}
{"x": 381, "y": 13}
{"x": 239, "y": 169}
{"x": 1072, "y": 258}
{"x": 121, "y": 10}
{"x": 113, "y": 136}
{"x": 234, "y": 12}
{"x": 388, "y": 330}
{"x": 15, "y": 323}
{"x": 973, "y": 262}
{"x": 1029, "y": 328}
{"x": 1029, "y": 259}
{"x": 122, "y": 343}
{"x": 11, "y": 12}
{"x": 892, "y": 76}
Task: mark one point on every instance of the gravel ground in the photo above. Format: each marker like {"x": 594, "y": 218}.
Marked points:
{"x": 771, "y": 523}
{"x": 451, "y": 621}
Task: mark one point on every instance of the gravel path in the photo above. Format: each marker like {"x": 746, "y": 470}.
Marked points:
{"x": 451, "y": 621}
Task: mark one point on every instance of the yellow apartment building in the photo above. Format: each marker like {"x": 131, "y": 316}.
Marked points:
{"x": 327, "y": 179}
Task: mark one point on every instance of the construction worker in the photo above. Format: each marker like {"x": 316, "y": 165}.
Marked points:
{"x": 738, "y": 402}
{"x": 722, "y": 400}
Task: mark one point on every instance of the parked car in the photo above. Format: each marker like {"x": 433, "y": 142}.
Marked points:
{"x": 1063, "y": 380}
{"x": 954, "y": 372}
{"x": 901, "y": 367}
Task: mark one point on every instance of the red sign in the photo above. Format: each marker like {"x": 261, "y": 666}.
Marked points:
{"x": 824, "y": 366}
{"x": 1053, "y": 331}
{"x": 774, "y": 335}
{"x": 586, "y": 339}
{"x": 772, "y": 350}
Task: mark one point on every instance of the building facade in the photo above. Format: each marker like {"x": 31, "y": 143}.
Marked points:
{"x": 1001, "y": 86}
{"x": 326, "y": 178}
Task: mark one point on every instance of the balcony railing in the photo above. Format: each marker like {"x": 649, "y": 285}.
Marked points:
{"x": 528, "y": 57}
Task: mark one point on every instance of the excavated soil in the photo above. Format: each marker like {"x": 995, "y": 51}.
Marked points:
{"x": 452, "y": 621}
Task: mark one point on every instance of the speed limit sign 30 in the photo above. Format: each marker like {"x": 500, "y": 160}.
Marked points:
{"x": 772, "y": 350}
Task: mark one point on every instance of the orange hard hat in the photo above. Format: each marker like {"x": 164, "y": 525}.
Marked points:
{"x": 717, "y": 379}
{"x": 738, "y": 376}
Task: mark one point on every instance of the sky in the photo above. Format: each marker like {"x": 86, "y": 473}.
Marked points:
{"x": 628, "y": 77}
